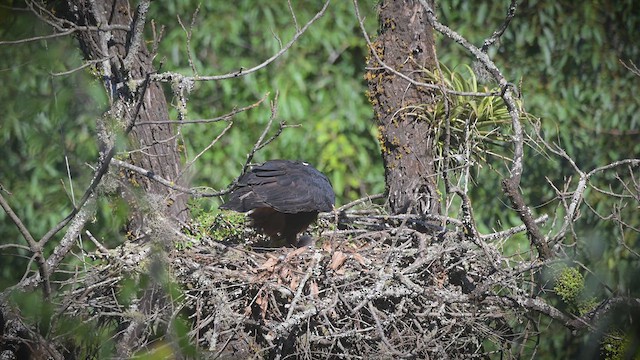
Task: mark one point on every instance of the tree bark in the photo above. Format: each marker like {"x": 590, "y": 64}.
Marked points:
{"x": 123, "y": 60}
{"x": 405, "y": 44}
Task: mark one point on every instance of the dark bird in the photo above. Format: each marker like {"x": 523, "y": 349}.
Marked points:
{"x": 282, "y": 197}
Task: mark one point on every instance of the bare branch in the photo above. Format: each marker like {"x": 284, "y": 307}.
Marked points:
{"x": 358, "y": 202}
{"x": 514, "y": 230}
{"x": 189, "y": 33}
{"x": 151, "y": 175}
{"x": 215, "y": 141}
{"x": 225, "y": 117}
{"x": 511, "y": 12}
{"x": 76, "y": 226}
{"x": 167, "y": 76}
{"x": 38, "y": 38}
{"x": 511, "y": 185}
{"x": 34, "y": 246}
{"x": 631, "y": 66}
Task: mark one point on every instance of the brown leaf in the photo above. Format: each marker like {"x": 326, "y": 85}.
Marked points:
{"x": 295, "y": 281}
{"x": 337, "y": 260}
{"x": 284, "y": 273}
{"x": 360, "y": 259}
{"x": 296, "y": 252}
{"x": 326, "y": 246}
{"x": 313, "y": 289}
{"x": 269, "y": 265}
{"x": 263, "y": 303}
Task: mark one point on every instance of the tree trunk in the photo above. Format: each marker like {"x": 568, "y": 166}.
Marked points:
{"x": 122, "y": 61}
{"x": 406, "y": 44}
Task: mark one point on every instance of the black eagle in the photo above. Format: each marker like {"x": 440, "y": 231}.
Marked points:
{"x": 282, "y": 197}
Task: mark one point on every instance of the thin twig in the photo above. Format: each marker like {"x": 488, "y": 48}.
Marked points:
{"x": 225, "y": 117}
{"x": 211, "y": 144}
{"x": 167, "y": 76}
{"x": 34, "y": 246}
{"x": 511, "y": 12}
{"x": 511, "y": 185}
{"x": 85, "y": 65}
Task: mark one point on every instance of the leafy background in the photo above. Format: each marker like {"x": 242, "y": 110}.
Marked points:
{"x": 564, "y": 56}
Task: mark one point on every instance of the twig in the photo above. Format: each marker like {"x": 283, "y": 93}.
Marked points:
{"x": 37, "y": 38}
{"x": 631, "y": 67}
{"x": 514, "y": 230}
{"x": 225, "y": 117}
{"x": 85, "y": 65}
{"x": 511, "y": 185}
{"x": 261, "y": 143}
{"x": 211, "y": 144}
{"x": 511, "y": 12}
{"x": 167, "y": 76}
{"x": 383, "y": 336}
{"x": 151, "y": 175}
{"x": 317, "y": 256}
{"x": 34, "y": 246}
{"x": 365, "y": 199}
{"x": 189, "y": 33}
{"x": 170, "y": 184}
{"x": 293, "y": 15}
{"x": 85, "y": 214}
{"x": 95, "y": 241}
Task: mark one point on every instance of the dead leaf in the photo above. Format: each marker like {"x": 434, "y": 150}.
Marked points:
{"x": 263, "y": 303}
{"x": 313, "y": 289}
{"x": 284, "y": 273}
{"x": 360, "y": 259}
{"x": 337, "y": 260}
{"x": 326, "y": 246}
{"x": 295, "y": 281}
{"x": 269, "y": 265}
{"x": 296, "y": 252}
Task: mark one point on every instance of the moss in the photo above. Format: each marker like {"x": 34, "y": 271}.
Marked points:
{"x": 614, "y": 346}
{"x": 227, "y": 224}
{"x": 383, "y": 144}
{"x": 586, "y": 306}
{"x": 569, "y": 285}
{"x": 218, "y": 226}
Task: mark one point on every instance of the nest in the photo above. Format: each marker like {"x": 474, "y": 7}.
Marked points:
{"x": 372, "y": 288}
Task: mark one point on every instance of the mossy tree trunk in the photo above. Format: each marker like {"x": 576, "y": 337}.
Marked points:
{"x": 405, "y": 44}
{"x": 123, "y": 62}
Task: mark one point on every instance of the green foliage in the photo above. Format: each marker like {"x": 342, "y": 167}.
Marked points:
{"x": 482, "y": 121}
{"x": 565, "y": 56}
{"x": 87, "y": 339}
{"x": 319, "y": 81}
{"x": 34, "y": 310}
{"x": 570, "y": 287}
{"x": 227, "y": 224}
{"x": 47, "y": 122}
{"x": 566, "y": 59}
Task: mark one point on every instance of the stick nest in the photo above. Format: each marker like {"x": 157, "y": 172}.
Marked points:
{"x": 375, "y": 287}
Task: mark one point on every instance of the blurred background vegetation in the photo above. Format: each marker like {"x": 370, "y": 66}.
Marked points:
{"x": 564, "y": 56}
